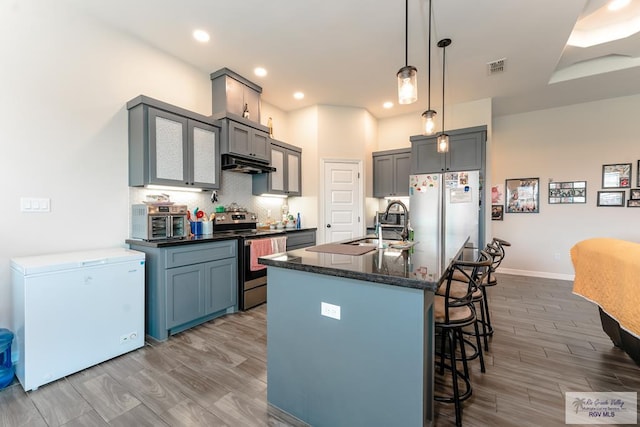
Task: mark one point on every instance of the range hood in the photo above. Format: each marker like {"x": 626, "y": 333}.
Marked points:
{"x": 239, "y": 164}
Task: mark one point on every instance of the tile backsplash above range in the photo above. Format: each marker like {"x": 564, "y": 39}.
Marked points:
{"x": 235, "y": 187}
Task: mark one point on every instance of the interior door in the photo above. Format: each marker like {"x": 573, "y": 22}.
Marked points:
{"x": 342, "y": 201}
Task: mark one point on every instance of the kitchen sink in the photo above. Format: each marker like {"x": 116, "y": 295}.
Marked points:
{"x": 372, "y": 241}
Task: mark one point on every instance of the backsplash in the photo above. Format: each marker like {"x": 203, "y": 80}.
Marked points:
{"x": 235, "y": 187}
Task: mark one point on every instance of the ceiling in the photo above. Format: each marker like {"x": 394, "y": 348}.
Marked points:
{"x": 347, "y": 52}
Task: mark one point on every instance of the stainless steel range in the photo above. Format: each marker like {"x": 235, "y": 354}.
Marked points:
{"x": 252, "y": 243}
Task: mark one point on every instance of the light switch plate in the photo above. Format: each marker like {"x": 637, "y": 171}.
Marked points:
{"x": 330, "y": 310}
{"x": 35, "y": 204}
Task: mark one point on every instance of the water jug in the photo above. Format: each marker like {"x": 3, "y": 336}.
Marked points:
{"x": 6, "y": 367}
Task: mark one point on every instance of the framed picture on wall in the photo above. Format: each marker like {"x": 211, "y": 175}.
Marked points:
{"x": 497, "y": 195}
{"x": 567, "y": 192}
{"x": 633, "y": 203}
{"x": 497, "y": 212}
{"x": 616, "y": 175}
{"x": 523, "y": 195}
{"x": 634, "y": 194}
{"x": 611, "y": 198}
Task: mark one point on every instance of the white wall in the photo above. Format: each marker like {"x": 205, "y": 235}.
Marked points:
{"x": 303, "y": 132}
{"x": 564, "y": 144}
{"x": 63, "y": 127}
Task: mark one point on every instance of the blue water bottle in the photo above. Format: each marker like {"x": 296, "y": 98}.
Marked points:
{"x": 298, "y": 221}
{"x": 6, "y": 367}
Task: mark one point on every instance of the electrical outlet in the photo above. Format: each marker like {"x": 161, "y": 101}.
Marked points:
{"x": 556, "y": 256}
{"x": 330, "y": 310}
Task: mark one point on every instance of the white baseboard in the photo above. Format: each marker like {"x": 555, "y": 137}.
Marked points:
{"x": 543, "y": 274}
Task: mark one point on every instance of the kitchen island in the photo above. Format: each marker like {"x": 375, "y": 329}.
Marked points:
{"x": 350, "y": 338}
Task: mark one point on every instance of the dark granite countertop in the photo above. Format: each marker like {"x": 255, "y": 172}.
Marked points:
{"x": 418, "y": 267}
{"x": 216, "y": 236}
{"x": 186, "y": 241}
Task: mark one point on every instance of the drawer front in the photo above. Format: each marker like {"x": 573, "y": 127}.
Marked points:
{"x": 201, "y": 252}
{"x": 301, "y": 239}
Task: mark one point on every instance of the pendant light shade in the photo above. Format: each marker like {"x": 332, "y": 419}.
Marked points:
{"x": 443, "y": 143}
{"x": 408, "y": 75}
{"x": 407, "y": 85}
{"x": 429, "y": 122}
{"x": 443, "y": 138}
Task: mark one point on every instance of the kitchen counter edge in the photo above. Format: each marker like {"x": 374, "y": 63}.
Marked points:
{"x": 294, "y": 260}
{"x": 195, "y": 240}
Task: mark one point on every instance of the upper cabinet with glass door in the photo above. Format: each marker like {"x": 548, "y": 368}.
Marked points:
{"x": 286, "y": 180}
{"x": 171, "y": 146}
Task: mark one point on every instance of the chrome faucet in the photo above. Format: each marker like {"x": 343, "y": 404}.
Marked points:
{"x": 405, "y": 227}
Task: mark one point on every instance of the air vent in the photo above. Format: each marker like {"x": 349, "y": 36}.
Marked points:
{"x": 496, "y": 67}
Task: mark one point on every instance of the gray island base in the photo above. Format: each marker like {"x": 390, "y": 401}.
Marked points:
{"x": 373, "y": 367}
{"x": 367, "y": 358}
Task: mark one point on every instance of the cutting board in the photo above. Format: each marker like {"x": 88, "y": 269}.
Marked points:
{"x": 337, "y": 248}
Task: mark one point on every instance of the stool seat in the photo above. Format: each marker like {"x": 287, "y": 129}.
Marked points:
{"x": 458, "y": 290}
{"x": 456, "y": 314}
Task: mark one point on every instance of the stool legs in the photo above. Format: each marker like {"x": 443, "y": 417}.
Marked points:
{"x": 453, "y": 337}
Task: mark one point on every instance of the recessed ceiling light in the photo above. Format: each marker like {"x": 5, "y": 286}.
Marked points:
{"x": 260, "y": 72}
{"x": 387, "y": 104}
{"x": 298, "y": 95}
{"x": 618, "y": 4}
{"x": 201, "y": 35}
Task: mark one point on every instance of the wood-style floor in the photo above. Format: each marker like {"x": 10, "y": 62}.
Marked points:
{"x": 547, "y": 342}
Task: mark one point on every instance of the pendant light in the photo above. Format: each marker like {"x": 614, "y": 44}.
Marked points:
{"x": 408, "y": 75}
{"x": 443, "y": 139}
{"x": 429, "y": 116}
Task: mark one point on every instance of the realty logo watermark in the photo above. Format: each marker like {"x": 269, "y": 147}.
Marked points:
{"x": 609, "y": 407}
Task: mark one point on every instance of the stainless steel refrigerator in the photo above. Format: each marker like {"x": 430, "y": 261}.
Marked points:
{"x": 445, "y": 208}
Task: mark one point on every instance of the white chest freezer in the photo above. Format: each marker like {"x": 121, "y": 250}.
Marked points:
{"x": 74, "y": 310}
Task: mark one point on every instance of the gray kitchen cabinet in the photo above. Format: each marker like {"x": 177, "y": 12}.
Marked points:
{"x": 287, "y": 178}
{"x": 169, "y": 146}
{"x": 466, "y": 152}
{"x": 244, "y": 138}
{"x": 185, "y": 294}
{"x": 188, "y": 284}
{"x": 299, "y": 239}
{"x": 391, "y": 171}
{"x": 231, "y": 92}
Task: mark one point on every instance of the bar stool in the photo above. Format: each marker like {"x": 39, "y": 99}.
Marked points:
{"x": 497, "y": 253}
{"x": 453, "y": 311}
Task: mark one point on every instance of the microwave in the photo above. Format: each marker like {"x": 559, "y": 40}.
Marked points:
{"x": 158, "y": 222}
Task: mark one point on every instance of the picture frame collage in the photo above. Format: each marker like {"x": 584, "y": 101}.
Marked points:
{"x": 521, "y": 195}
{"x": 616, "y": 178}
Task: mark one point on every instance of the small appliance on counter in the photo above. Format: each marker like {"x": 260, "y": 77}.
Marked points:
{"x": 158, "y": 221}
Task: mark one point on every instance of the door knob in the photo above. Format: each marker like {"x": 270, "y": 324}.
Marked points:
{"x": 328, "y": 225}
